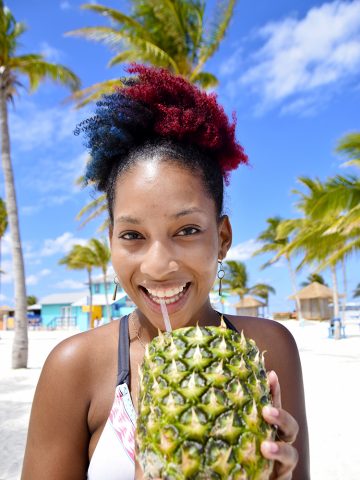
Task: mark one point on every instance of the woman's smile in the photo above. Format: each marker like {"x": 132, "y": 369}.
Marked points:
{"x": 173, "y": 301}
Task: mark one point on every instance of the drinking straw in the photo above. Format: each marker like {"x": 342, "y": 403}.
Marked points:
{"x": 165, "y": 316}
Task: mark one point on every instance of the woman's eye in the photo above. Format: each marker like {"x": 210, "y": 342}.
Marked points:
{"x": 189, "y": 231}
{"x": 130, "y": 236}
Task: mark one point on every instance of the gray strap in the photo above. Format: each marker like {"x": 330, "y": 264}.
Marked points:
{"x": 124, "y": 352}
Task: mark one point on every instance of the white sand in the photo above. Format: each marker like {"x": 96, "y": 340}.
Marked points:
{"x": 331, "y": 376}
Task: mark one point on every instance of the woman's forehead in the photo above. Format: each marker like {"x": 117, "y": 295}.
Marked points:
{"x": 160, "y": 187}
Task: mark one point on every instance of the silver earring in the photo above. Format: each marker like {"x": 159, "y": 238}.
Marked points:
{"x": 220, "y": 275}
{"x": 116, "y": 281}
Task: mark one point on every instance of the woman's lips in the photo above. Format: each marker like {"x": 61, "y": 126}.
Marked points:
{"x": 171, "y": 307}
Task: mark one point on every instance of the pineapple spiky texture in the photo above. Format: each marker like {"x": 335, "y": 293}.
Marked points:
{"x": 202, "y": 390}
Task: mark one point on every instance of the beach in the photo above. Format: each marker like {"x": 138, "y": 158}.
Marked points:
{"x": 331, "y": 379}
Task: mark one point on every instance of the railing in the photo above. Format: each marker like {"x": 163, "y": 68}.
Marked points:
{"x": 62, "y": 322}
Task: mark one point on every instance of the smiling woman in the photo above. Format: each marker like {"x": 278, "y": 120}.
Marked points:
{"x": 162, "y": 151}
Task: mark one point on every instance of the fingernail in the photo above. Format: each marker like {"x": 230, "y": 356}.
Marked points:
{"x": 271, "y": 447}
{"x": 272, "y": 411}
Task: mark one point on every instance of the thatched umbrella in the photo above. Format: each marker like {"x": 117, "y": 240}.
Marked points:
{"x": 315, "y": 299}
{"x": 248, "y": 306}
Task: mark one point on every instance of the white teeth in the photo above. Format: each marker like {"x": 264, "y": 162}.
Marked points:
{"x": 168, "y": 300}
{"x": 166, "y": 293}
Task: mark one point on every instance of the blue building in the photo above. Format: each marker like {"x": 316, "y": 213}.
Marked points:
{"x": 72, "y": 310}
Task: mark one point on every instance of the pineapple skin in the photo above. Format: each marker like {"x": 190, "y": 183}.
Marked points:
{"x": 201, "y": 393}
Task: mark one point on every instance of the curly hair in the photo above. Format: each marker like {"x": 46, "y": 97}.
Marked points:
{"x": 159, "y": 109}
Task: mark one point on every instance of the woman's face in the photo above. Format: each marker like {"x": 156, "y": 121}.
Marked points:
{"x": 166, "y": 241}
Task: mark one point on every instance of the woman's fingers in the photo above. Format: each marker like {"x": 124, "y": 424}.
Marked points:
{"x": 285, "y": 455}
{"x": 274, "y": 389}
{"x": 287, "y": 426}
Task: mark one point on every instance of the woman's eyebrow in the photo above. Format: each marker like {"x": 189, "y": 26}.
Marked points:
{"x": 188, "y": 211}
{"x": 128, "y": 219}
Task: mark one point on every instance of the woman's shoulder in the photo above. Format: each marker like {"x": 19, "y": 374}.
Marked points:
{"x": 83, "y": 352}
{"x": 265, "y": 332}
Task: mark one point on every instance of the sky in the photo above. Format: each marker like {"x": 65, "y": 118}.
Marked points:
{"x": 290, "y": 71}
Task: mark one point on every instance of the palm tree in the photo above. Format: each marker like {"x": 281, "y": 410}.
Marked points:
{"x": 310, "y": 238}
{"x": 13, "y": 68}
{"x": 314, "y": 277}
{"x": 236, "y": 278}
{"x": 102, "y": 256}
{"x": 275, "y": 243}
{"x": 81, "y": 257}
{"x": 165, "y": 33}
{"x": 3, "y": 227}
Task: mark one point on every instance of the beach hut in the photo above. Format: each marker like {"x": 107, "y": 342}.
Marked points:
{"x": 249, "y": 306}
{"x": 314, "y": 300}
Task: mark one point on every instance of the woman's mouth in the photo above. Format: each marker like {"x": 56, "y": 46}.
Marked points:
{"x": 173, "y": 297}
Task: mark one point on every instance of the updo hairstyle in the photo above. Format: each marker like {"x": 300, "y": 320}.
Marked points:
{"x": 158, "y": 115}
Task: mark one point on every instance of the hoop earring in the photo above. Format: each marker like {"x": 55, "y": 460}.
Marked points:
{"x": 220, "y": 276}
{"x": 116, "y": 281}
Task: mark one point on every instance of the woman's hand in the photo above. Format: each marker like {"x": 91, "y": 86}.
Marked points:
{"x": 280, "y": 450}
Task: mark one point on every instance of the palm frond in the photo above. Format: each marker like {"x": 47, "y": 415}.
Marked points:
{"x": 94, "y": 92}
{"x": 93, "y": 209}
{"x": 206, "y": 80}
{"x": 210, "y": 45}
{"x": 130, "y": 55}
{"x": 36, "y": 70}
{"x": 118, "y": 17}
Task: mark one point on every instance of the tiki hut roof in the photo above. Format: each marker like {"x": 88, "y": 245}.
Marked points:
{"x": 314, "y": 290}
{"x": 249, "y": 302}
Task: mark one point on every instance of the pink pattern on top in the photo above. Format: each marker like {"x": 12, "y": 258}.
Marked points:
{"x": 122, "y": 424}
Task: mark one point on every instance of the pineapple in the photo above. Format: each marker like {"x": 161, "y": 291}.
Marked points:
{"x": 201, "y": 394}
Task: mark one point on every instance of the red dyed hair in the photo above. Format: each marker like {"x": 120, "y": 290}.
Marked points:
{"x": 187, "y": 114}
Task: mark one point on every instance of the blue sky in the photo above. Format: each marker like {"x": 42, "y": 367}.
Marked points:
{"x": 290, "y": 70}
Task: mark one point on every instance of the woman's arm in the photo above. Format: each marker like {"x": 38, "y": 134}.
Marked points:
{"x": 58, "y": 437}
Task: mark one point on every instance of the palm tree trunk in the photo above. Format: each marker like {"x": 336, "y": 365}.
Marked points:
{"x": 294, "y": 287}
{"x": 0, "y": 264}
{"x": 335, "y": 291}
{"x": 106, "y": 297}
{"x": 20, "y": 344}
{"x": 91, "y": 297}
{"x": 345, "y": 289}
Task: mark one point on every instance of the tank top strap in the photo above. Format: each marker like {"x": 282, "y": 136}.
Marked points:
{"x": 123, "y": 375}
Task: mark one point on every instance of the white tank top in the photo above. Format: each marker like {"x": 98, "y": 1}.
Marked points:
{"x": 114, "y": 454}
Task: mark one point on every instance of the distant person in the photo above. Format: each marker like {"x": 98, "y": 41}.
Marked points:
{"x": 162, "y": 150}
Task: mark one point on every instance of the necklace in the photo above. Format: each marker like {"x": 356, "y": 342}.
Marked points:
{"x": 137, "y": 330}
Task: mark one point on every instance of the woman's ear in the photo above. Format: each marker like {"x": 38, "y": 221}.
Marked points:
{"x": 225, "y": 236}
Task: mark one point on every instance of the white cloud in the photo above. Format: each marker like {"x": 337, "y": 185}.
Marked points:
{"x": 51, "y": 54}
{"x": 34, "y": 279}
{"x": 65, "y": 5}
{"x": 33, "y": 128}
{"x": 61, "y": 244}
{"x": 70, "y": 284}
{"x": 7, "y": 269}
{"x": 243, "y": 251}
{"x": 302, "y": 58}
{"x": 6, "y": 244}
{"x": 3, "y": 297}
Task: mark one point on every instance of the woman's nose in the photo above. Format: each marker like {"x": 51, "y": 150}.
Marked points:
{"x": 159, "y": 261}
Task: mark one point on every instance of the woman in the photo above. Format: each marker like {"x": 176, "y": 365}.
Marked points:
{"x": 161, "y": 150}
